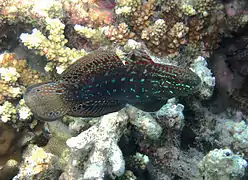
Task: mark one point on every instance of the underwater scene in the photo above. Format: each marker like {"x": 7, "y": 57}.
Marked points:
{"x": 123, "y": 89}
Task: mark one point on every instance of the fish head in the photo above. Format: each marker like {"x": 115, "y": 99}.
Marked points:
{"x": 46, "y": 101}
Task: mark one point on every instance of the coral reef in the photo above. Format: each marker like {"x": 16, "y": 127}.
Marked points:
{"x": 222, "y": 164}
{"x": 9, "y": 169}
{"x": 15, "y": 76}
{"x": 29, "y": 12}
{"x": 101, "y": 139}
{"x": 90, "y": 12}
{"x": 145, "y": 123}
{"x": 199, "y": 66}
{"x": 120, "y": 34}
{"x": 233, "y": 134}
{"x": 38, "y": 164}
{"x": 170, "y": 162}
{"x": 52, "y": 47}
{"x": 180, "y": 22}
{"x": 188, "y": 138}
{"x": 171, "y": 115}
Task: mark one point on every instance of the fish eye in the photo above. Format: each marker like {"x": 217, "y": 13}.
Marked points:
{"x": 57, "y": 113}
{"x": 37, "y": 90}
{"x": 50, "y": 113}
{"x": 74, "y": 108}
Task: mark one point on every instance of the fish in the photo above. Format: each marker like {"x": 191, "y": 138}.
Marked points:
{"x": 100, "y": 83}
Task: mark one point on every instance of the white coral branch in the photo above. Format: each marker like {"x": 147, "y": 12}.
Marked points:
{"x": 102, "y": 138}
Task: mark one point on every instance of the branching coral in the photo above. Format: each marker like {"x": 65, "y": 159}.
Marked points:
{"x": 53, "y": 46}
{"x": 120, "y": 35}
{"x": 176, "y": 23}
{"x": 138, "y": 12}
{"x": 8, "y": 112}
{"x": 95, "y": 35}
{"x": 15, "y": 76}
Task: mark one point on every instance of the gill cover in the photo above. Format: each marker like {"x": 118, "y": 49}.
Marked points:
{"x": 46, "y": 101}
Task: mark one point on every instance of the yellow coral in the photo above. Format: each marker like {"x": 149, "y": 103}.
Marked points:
{"x": 8, "y": 112}
{"x": 9, "y": 74}
{"x": 36, "y": 161}
{"x": 52, "y": 47}
{"x": 96, "y": 35}
{"x": 188, "y": 9}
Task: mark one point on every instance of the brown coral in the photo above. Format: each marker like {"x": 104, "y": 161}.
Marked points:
{"x": 141, "y": 17}
{"x": 119, "y": 34}
{"x": 160, "y": 39}
{"x": 155, "y": 36}
{"x": 27, "y": 76}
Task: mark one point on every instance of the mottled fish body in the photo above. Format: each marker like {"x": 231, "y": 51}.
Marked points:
{"x": 99, "y": 83}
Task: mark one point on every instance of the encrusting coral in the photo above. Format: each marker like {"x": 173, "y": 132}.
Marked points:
{"x": 222, "y": 164}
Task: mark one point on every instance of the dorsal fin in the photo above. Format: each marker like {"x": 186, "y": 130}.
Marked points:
{"x": 87, "y": 67}
{"x": 139, "y": 57}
